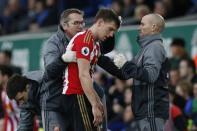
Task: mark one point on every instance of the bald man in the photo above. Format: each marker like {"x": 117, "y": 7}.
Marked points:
{"x": 149, "y": 69}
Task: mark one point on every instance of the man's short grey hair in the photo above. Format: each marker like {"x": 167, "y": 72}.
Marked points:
{"x": 64, "y": 17}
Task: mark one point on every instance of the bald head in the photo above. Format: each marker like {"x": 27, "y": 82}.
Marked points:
{"x": 151, "y": 24}
{"x": 157, "y": 20}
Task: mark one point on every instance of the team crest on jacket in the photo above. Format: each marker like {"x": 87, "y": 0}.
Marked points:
{"x": 85, "y": 51}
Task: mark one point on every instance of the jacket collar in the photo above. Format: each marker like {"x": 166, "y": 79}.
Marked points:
{"x": 143, "y": 41}
{"x": 62, "y": 35}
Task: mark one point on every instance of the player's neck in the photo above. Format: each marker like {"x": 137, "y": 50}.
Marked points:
{"x": 94, "y": 32}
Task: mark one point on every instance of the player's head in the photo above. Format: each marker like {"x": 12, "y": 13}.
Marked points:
{"x": 107, "y": 22}
{"x": 5, "y": 73}
{"x": 5, "y": 57}
{"x": 71, "y": 21}
{"x": 18, "y": 88}
{"x": 151, "y": 24}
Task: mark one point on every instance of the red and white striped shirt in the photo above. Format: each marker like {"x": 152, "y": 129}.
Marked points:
{"x": 11, "y": 110}
{"x": 84, "y": 45}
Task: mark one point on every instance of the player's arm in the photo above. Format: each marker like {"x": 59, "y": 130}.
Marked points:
{"x": 108, "y": 65}
{"x": 104, "y": 62}
{"x": 87, "y": 85}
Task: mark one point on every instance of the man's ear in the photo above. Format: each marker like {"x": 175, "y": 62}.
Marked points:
{"x": 155, "y": 28}
{"x": 64, "y": 26}
{"x": 100, "y": 22}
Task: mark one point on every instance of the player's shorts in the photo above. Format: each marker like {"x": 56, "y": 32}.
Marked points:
{"x": 80, "y": 110}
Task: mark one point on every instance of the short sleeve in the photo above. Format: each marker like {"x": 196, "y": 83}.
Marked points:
{"x": 83, "y": 49}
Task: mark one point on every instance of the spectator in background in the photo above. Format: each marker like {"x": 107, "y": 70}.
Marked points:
{"x": 139, "y": 12}
{"x": 160, "y": 8}
{"x": 17, "y": 14}
{"x": 176, "y": 121}
{"x": 53, "y": 15}
{"x": 6, "y": 21}
{"x": 191, "y": 106}
{"x": 184, "y": 89}
{"x": 174, "y": 77}
{"x": 91, "y": 7}
{"x": 180, "y": 8}
{"x": 183, "y": 93}
{"x": 193, "y": 9}
{"x": 88, "y": 6}
{"x": 2, "y": 6}
{"x": 6, "y": 58}
{"x": 124, "y": 122}
{"x": 117, "y": 89}
{"x": 33, "y": 26}
{"x": 129, "y": 120}
{"x": 116, "y": 97}
{"x": 10, "y": 107}
{"x": 118, "y": 6}
{"x": 127, "y": 96}
{"x": 41, "y": 13}
{"x": 129, "y": 7}
{"x": 187, "y": 70}
{"x": 178, "y": 50}
{"x": 102, "y": 80}
{"x": 30, "y": 7}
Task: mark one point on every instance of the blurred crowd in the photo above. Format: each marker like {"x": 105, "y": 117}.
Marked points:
{"x": 20, "y": 15}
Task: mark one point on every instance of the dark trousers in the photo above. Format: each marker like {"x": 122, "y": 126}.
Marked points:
{"x": 78, "y": 108}
{"x": 52, "y": 119}
{"x": 151, "y": 124}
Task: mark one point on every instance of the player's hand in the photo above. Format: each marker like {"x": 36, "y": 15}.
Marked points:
{"x": 98, "y": 113}
{"x": 69, "y": 56}
{"x": 120, "y": 60}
